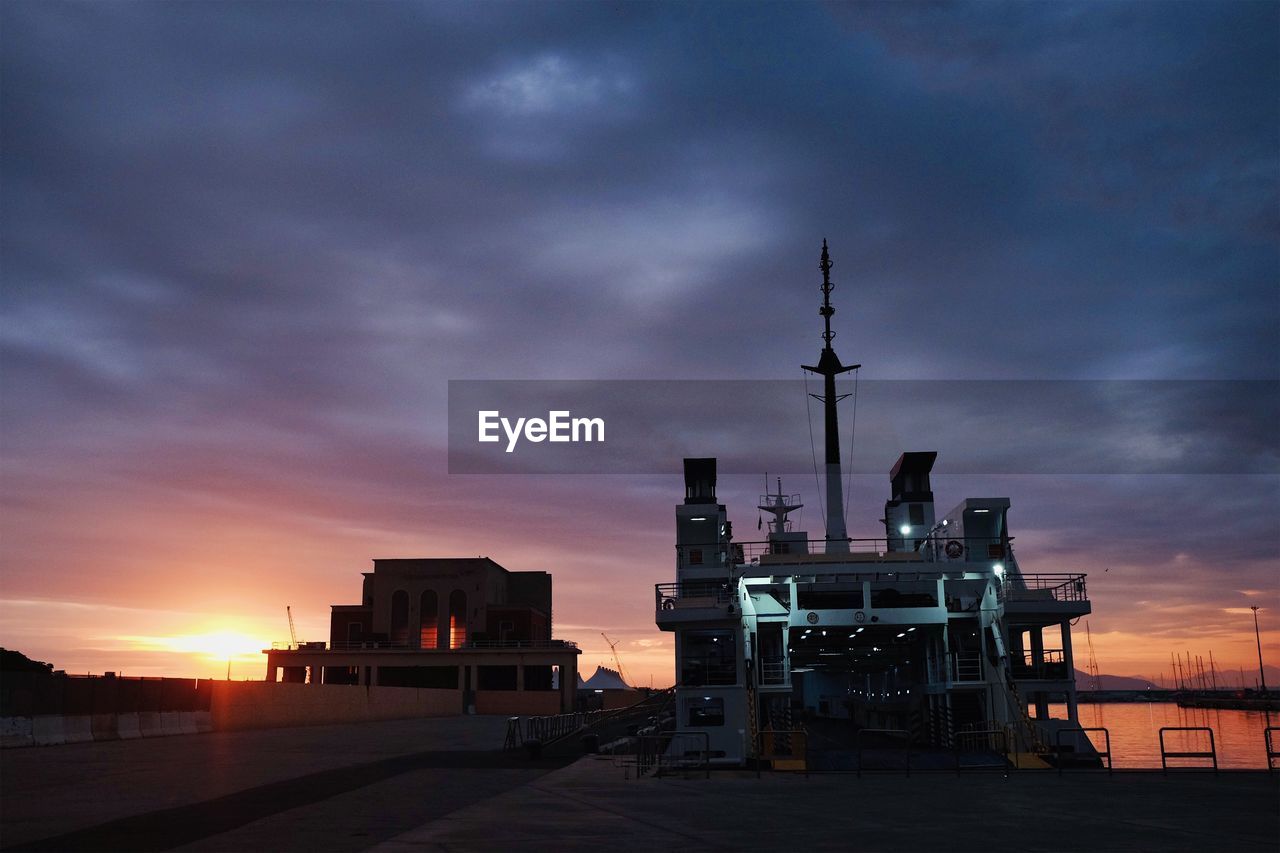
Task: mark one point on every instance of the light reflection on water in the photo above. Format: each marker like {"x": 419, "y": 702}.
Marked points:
{"x": 1135, "y": 726}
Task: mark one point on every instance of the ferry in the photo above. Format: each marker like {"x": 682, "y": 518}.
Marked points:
{"x": 800, "y": 649}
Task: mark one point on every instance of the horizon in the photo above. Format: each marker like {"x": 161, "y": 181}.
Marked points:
{"x": 247, "y": 248}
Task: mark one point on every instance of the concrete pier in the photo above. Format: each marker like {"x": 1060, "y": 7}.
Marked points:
{"x": 439, "y": 784}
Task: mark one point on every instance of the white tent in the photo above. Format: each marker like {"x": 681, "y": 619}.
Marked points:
{"x": 605, "y": 679}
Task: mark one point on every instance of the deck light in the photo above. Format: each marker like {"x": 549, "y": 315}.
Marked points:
{"x": 699, "y": 518}
{"x": 909, "y": 630}
{"x": 903, "y": 634}
{"x": 904, "y": 529}
{"x": 999, "y": 567}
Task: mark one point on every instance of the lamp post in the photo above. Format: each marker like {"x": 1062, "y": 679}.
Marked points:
{"x": 1262, "y": 676}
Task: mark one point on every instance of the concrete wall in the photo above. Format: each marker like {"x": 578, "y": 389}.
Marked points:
{"x": 513, "y": 702}
{"x": 55, "y": 713}
{"x": 262, "y": 705}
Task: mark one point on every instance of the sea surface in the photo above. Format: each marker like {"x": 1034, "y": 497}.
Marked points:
{"x": 1135, "y": 739}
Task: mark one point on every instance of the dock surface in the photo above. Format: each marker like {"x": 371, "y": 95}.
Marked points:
{"x": 440, "y": 784}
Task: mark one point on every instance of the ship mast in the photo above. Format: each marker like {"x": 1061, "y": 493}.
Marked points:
{"x": 829, "y": 367}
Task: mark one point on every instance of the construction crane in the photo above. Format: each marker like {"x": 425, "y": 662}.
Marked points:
{"x": 293, "y": 635}
{"x": 617, "y": 661}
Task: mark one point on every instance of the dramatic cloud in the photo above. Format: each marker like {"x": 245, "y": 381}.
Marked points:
{"x": 247, "y": 245}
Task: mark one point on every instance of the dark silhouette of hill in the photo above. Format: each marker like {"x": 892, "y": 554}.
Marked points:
{"x": 11, "y": 661}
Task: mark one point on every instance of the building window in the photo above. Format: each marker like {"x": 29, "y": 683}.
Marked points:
{"x": 496, "y": 677}
{"x": 706, "y": 711}
{"x": 708, "y": 657}
{"x": 428, "y": 620}
{"x": 539, "y": 677}
{"x": 400, "y": 617}
{"x": 457, "y": 619}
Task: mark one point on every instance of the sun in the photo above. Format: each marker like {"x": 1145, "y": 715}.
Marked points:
{"x": 220, "y": 645}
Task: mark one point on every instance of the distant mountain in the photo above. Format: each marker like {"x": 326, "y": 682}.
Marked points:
{"x": 1113, "y": 682}
{"x": 1229, "y": 679}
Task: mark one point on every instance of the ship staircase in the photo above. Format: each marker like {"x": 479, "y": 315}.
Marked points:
{"x": 1024, "y": 735}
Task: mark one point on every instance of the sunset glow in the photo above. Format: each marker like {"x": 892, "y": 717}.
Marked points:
{"x": 236, "y": 291}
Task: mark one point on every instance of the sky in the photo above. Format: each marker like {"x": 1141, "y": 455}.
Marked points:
{"x": 245, "y": 248}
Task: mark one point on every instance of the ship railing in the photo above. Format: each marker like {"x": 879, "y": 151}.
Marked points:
{"x": 773, "y": 671}
{"x": 1045, "y": 587}
{"x": 691, "y": 594}
{"x": 932, "y": 548}
{"x": 1052, "y": 667}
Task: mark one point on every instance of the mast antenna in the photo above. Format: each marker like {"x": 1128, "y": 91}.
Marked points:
{"x": 829, "y": 367}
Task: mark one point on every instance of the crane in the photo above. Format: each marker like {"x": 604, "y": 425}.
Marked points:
{"x": 293, "y": 635}
{"x": 613, "y": 647}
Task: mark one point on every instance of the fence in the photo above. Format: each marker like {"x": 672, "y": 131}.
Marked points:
{"x": 1165, "y": 754}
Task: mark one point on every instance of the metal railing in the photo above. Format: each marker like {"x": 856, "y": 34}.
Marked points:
{"x": 692, "y": 594}
{"x": 1105, "y": 753}
{"x": 1165, "y": 754}
{"x": 668, "y": 752}
{"x": 773, "y": 671}
{"x": 982, "y": 739}
{"x": 404, "y": 645}
{"x": 546, "y": 729}
{"x": 1045, "y": 587}
{"x": 1053, "y": 666}
{"x": 1272, "y": 753}
{"x": 931, "y": 547}
{"x": 906, "y": 746}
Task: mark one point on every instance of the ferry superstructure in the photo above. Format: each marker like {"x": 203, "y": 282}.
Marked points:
{"x": 931, "y": 630}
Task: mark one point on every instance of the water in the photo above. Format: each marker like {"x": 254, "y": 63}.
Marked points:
{"x": 1135, "y": 726}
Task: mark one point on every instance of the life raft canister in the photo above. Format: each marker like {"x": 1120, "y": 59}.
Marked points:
{"x": 954, "y": 548}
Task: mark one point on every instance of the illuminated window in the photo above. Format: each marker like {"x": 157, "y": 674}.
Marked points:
{"x": 457, "y": 619}
{"x": 428, "y": 620}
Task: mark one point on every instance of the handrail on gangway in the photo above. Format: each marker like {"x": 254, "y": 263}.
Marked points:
{"x": 1004, "y": 741}
{"x": 906, "y": 745}
{"x": 652, "y": 753}
{"x": 1166, "y": 755}
{"x": 1057, "y": 744}
{"x": 1272, "y": 752}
